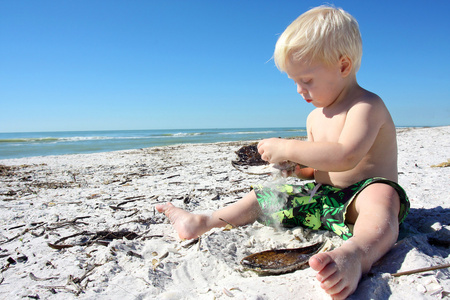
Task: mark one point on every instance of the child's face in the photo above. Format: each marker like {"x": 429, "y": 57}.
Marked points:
{"x": 316, "y": 82}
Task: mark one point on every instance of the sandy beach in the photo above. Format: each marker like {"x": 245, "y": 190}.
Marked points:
{"x": 84, "y": 227}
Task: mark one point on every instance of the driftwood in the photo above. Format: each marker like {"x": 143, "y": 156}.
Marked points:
{"x": 101, "y": 237}
{"x": 128, "y": 200}
{"x": 74, "y": 282}
{"x": 421, "y": 270}
{"x": 35, "y": 278}
{"x": 68, "y": 223}
{"x": 37, "y": 225}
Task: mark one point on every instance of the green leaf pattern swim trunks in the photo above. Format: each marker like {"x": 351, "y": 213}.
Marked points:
{"x": 316, "y": 206}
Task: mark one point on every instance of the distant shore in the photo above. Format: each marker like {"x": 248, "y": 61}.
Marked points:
{"x": 83, "y": 226}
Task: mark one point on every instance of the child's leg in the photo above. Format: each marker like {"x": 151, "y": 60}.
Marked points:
{"x": 375, "y": 215}
{"x": 189, "y": 225}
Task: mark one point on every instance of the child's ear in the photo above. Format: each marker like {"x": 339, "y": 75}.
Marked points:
{"x": 346, "y": 65}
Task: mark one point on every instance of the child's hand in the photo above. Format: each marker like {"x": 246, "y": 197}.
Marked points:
{"x": 272, "y": 150}
{"x": 286, "y": 168}
{"x": 299, "y": 171}
{"x": 285, "y": 165}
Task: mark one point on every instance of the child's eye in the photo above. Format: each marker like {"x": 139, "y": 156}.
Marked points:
{"x": 306, "y": 81}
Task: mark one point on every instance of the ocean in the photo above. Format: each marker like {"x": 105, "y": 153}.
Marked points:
{"x": 26, "y": 144}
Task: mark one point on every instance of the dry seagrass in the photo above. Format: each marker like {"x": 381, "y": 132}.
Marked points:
{"x": 250, "y": 162}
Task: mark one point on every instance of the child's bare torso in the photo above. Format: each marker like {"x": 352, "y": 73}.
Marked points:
{"x": 380, "y": 160}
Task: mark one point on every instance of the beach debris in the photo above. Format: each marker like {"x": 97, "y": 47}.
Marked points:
{"x": 93, "y": 196}
{"x": 442, "y": 165}
{"x": 53, "y": 289}
{"x": 73, "y": 222}
{"x": 249, "y": 155}
{"x": 52, "y": 185}
{"x": 119, "y": 206}
{"x": 106, "y": 235}
{"x": 250, "y": 161}
{"x": 49, "y": 264}
{"x": 281, "y": 261}
{"x": 134, "y": 254}
{"x": 11, "y": 261}
{"x": 126, "y": 182}
{"x": 171, "y": 176}
{"x": 34, "y": 224}
{"x": 35, "y": 278}
{"x": 229, "y": 226}
{"x": 190, "y": 243}
{"x": 22, "y": 259}
{"x": 73, "y": 284}
{"x": 7, "y": 171}
{"x": 9, "y": 193}
{"x": 101, "y": 237}
{"x": 157, "y": 260}
{"x": 155, "y": 263}
{"x": 227, "y": 292}
{"x": 415, "y": 271}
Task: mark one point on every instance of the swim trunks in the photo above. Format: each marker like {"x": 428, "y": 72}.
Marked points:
{"x": 317, "y": 206}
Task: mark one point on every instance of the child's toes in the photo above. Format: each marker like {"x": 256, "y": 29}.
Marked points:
{"x": 320, "y": 261}
{"x": 347, "y": 291}
{"x": 333, "y": 285}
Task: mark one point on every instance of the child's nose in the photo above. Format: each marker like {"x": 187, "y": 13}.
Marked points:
{"x": 300, "y": 89}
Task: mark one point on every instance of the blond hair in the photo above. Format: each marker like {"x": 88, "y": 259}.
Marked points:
{"x": 322, "y": 34}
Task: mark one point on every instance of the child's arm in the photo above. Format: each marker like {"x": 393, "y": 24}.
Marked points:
{"x": 358, "y": 135}
{"x": 301, "y": 171}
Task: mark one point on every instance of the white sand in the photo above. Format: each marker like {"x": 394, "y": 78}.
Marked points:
{"x": 44, "y": 199}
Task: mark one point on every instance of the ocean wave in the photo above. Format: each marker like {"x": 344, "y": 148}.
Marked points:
{"x": 181, "y": 134}
{"x": 95, "y": 138}
{"x": 247, "y": 132}
{"x": 44, "y": 140}
{"x": 63, "y": 139}
{"x": 29, "y": 140}
{"x": 296, "y": 130}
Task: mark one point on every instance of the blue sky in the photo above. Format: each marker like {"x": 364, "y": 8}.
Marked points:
{"x": 111, "y": 65}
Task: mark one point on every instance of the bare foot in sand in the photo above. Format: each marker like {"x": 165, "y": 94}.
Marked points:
{"x": 339, "y": 271}
{"x": 188, "y": 225}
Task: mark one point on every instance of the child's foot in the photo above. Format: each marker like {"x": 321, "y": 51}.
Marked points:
{"x": 339, "y": 271}
{"x": 188, "y": 225}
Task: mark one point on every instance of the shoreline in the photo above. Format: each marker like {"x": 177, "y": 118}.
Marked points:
{"x": 50, "y": 202}
{"x": 91, "y": 142}
{"x": 59, "y": 143}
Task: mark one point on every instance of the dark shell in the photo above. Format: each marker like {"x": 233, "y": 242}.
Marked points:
{"x": 274, "y": 262}
{"x": 249, "y": 156}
